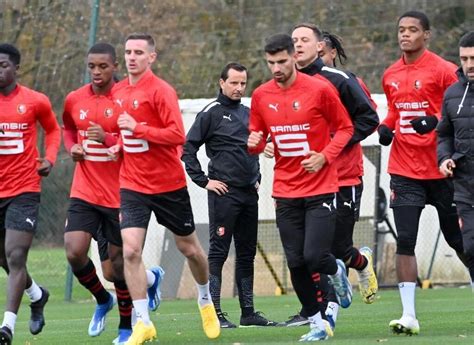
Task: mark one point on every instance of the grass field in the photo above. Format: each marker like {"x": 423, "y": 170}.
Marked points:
{"x": 446, "y": 316}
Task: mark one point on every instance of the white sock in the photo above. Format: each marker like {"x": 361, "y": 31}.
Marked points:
{"x": 141, "y": 310}
{"x": 316, "y": 321}
{"x": 204, "y": 295}
{"x": 9, "y": 320}
{"x": 407, "y": 295}
{"x": 472, "y": 286}
{"x": 34, "y": 292}
{"x": 333, "y": 310}
{"x": 150, "y": 278}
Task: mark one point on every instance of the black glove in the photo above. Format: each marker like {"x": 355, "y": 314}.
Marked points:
{"x": 385, "y": 135}
{"x": 424, "y": 124}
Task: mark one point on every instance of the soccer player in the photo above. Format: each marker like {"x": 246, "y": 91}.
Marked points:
{"x": 454, "y": 146}
{"x": 308, "y": 41}
{"x": 232, "y": 186}
{"x": 152, "y": 179}
{"x": 414, "y": 86}
{"x": 90, "y": 127}
{"x": 21, "y": 170}
{"x": 300, "y": 113}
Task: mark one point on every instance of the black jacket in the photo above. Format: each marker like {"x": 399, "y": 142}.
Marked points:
{"x": 223, "y": 127}
{"x": 364, "y": 117}
{"x": 456, "y": 136}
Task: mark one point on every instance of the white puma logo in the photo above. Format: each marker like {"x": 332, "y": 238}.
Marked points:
{"x": 273, "y": 106}
{"x": 119, "y": 101}
{"x": 327, "y": 205}
{"x": 396, "y": 85}
{"x": 227, "y": 117}
{"x": 83, "y": 114}
{"x": 29, "y": 221}
{"x": 348, "y": 204}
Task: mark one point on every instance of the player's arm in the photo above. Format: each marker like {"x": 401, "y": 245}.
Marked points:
{"x": 257, "y": 129}
{"x": 167, "y": 108}
{"x": 198, "y": 134}
{"x": 50, "y": 125}
{"x": 70, "y": 133}
{"x": 445, "y": 146}
{"x": 338, "y": 119}
{"x": 357, "y": 104}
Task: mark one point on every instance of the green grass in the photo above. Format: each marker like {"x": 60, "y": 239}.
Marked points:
{"x": 446, "y": 317}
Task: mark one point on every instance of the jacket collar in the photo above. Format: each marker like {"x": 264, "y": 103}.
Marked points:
{"x": 314, "y": 67}
{"x": 224, "y": 100}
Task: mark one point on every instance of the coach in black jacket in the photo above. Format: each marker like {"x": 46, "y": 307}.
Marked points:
{"x": 456, "y": 144}
{"x": 232, "y": 184}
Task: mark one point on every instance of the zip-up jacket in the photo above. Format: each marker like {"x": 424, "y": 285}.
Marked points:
{"x": 223, "y": 127}
{"x": 364, "y": 119}
{"x": 456, "y": 136}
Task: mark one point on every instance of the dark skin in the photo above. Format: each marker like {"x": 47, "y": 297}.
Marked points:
{"x": 101, "y": 68}
{"x": 14, "y": 244}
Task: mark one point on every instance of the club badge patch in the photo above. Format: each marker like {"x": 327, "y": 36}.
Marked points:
{"x": 135, "y": 104}
{"x": 108, "y": 112}
{"x": 21, "y": 109}
{"x": 221, "y": 231}
{"x": 417, "y": 84}
{"x": 296, "y": 105}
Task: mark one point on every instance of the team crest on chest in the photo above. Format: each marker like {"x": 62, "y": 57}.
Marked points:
{"x": 417, "y": 84}
{"x": 21, "y": 109}
{"x": 135, "y": 104}
{"x": 108, "y": 112}
{"x": 296, "y": 105}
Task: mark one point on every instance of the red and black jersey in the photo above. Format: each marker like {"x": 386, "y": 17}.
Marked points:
{"x": 300, "y": 119}
{"x": 96, "y": 178}
{"x": 20, "y": 112}
{"x": 152, "y": 151}
{"x": 415, "y": 90}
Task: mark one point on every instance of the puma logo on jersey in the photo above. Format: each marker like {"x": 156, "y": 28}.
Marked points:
{"x": 29, "y": 221}
{"x": 119, "y": 101}
{"x": 348, "y": 204}
{"x": 83, "y": 114}
{"x": 273, "y": 106}
{"x": 227, "y": 117}
{"x": 328, "y": 206}
{"x": 396, "y": 85}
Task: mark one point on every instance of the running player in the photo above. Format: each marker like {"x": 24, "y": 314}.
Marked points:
{"x": 152, "y": 131}
{"x": 21, "y": 170}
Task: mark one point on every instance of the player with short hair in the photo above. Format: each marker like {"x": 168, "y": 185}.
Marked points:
{"x": 309, "y": 127}
{"x": 152, "y": 179}
{"x": 454, "y": 146}
{"x": 232, "y": 184}
{"x": 21, "y": 170}
{"x": 414, "y": 86}
{"x": 90, "y": 127}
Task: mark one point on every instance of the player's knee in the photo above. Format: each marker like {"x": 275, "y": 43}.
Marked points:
{"x": 16, "y": 258}
{"x": 132, "y": 253}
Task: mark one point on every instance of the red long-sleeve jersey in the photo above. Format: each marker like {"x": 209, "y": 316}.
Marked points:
{"x": 20, "y": 111}
{"x": 300, "y": 119}
{"x": 96, "y": 178}
{"x": 415, "y": 90}
{"x": 151, "y": 163}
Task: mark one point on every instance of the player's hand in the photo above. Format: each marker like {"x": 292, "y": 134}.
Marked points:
{"x": 385, "y": 135}
{"x": 269, "y": 150}
{"x": 313, "y": 162}
{"x": 255, "y": 138}
{"x": 218, "y": 187}
{"x": 77, "y": 153}
{"x": 126, "y": 121}
{"x": 424, "y": 124}
{"x": 114, "y": 152}
{"x": 447, "y": 167}
{"x": 44, "y": 167}
{"x": 95, "y": 132}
